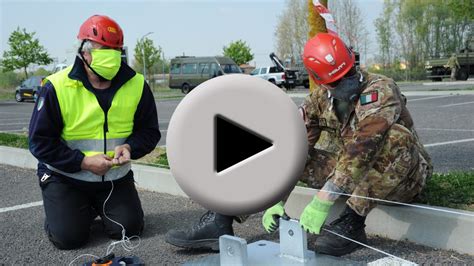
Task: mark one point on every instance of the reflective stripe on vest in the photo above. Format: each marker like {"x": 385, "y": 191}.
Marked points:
{"x": 85, "y": 122}
{"x": 94, "y": 145}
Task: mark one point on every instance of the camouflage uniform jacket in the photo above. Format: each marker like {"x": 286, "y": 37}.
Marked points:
{"x": 453, "y": 62}
{"x": 357, "y": 141}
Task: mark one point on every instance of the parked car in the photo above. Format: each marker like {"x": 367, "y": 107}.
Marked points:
{"x": 290, "y": 74}
{"x": 271, "y": 74}
{"x": 187, "y": 72}
{"x": 29, "y": 89}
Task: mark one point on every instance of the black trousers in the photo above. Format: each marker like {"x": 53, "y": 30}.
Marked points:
{"x": 71, "y": 206}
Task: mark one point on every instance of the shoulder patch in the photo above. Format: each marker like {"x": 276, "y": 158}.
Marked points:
{"x": 369, "y": 97}
{"x": 40, "y": 103}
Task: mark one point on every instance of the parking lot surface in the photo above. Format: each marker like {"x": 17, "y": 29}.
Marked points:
{"x": 24, "y": 241}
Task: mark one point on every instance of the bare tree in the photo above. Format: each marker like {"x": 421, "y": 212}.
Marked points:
{"x": 292, "y": 30}
{"x": 351, "y": 25}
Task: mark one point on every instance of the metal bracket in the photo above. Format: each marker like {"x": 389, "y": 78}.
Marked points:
{"x": 294, "y": 242}
{"x": 233, "y": 250}
{"x": 292, "y": 250}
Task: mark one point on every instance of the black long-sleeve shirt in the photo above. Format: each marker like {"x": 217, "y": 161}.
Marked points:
{"x": 46, "y": 123}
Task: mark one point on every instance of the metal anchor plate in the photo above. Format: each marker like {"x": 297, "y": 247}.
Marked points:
{"x": 292, "y": 250}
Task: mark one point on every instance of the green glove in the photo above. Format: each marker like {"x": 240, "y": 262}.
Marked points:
{"x": 314, "y": 215}
{"x": 270, "y": 217}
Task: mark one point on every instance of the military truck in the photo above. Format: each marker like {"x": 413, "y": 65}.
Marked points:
{"x": 437, "y": 68}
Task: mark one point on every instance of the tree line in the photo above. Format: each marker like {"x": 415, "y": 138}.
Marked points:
{"x": 25, "y": 50}
{"x": 412, "y": 31}
{"x": 408, "y": 32}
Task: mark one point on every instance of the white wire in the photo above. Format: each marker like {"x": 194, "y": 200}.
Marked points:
{"x": 388, "y": 201}
{"x": 83, "y": 255}
{"x": 400, "y": 203}
{"x": 125, "y": 241}
{"x": 367, "y": 246}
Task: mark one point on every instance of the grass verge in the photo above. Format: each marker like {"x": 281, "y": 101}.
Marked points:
{"x": 165, "y": 93}
{"x": 156, "y": 158}
{"x": 7, "y": 94}
{"x": 14, "y": 140}
{"x": 452, "y": 190}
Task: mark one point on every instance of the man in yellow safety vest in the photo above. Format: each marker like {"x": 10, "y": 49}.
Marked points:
{"x": 89, "y": 121}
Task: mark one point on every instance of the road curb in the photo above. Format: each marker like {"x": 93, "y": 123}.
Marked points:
{"x": 435, "y": 229}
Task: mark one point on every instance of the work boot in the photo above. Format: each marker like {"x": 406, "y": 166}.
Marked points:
{"x": 203, "y": 235}
{"x": 350, "y": 225}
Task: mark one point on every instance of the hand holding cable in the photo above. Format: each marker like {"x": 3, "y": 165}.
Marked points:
{"x": 122, "y": 154}
{"x": 315, "y": 214}
{"x": 98, "y": 164}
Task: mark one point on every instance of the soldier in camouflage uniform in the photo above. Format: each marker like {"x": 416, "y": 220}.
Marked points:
{"x": 453, "y": 64}
{"x": 362, "y": 143}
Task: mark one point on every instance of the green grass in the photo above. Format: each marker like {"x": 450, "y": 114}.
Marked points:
{"x": 157, "y": 157}
{"x": 7, "y": 94}
{"x": 14, "y": 140}
{"x": 165, "y": 93}
{"x": 452, "y": 190}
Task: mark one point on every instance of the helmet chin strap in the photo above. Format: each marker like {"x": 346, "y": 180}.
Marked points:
{"x": 87, "y": 64}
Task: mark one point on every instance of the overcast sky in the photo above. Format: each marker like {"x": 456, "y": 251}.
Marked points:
{"x": 192, "y": 27}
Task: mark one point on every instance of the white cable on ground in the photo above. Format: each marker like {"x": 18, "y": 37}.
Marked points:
{"x": 367, "y": 246}
{"x": 125, "y": 241}
{"x": 400, "y": 203}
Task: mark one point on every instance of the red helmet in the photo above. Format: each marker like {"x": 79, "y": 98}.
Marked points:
{"x": 103, "y": 30}
{"x": 327, "y": 58}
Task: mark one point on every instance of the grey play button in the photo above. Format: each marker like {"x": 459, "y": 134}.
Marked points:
{"x": 236, "y": 144}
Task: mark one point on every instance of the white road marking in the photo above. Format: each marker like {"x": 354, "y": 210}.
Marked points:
{"x": 14, "y": 130}
{"x": 15, "y": 113}
{"x": 22, "y": 206}
{"x": 446, "y": 129}
{"x": 19, "y": 118}
{"x": 15, "y": 124}
{"x": 455, "y": 104}
{"x": 448, "y": 142}
{"x": 429, "y": 98}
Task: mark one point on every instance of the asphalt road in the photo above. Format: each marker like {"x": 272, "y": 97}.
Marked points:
{"x": 24, "y": 241}
{"x": 444, "y": 122}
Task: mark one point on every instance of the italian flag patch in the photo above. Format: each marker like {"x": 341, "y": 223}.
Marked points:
{"x": 370, "y": 97}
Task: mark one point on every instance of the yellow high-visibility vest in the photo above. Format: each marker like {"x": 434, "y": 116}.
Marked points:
{"x": 88, "y": 128}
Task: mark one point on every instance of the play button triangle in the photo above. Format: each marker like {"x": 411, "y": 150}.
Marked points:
{"x": 235, "y": 143}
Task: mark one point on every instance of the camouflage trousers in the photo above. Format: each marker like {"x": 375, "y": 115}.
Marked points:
{"x": 453, "y": 73}
{"x": 398, "y": 173}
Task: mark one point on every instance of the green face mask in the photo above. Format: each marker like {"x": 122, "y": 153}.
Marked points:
{"x": 106, "y": 62}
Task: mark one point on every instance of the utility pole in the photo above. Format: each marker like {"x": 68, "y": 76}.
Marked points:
{"x": 143, "y": 53}
{"x": 316, "y": 24}
{"x": 163, "y": 66}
